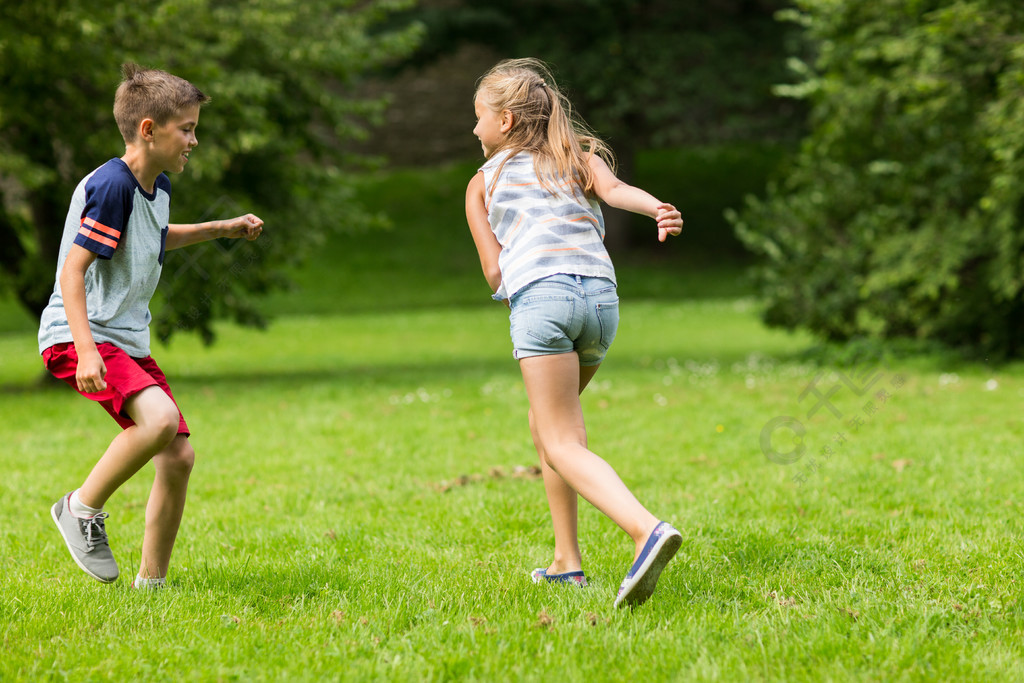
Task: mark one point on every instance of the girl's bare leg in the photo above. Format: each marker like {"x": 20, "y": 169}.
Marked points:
{"x": 553, "y": 384}
{"x": 562, "y": 501}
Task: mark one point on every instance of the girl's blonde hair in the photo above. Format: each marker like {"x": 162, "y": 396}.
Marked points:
{"x": 542, "y": 123}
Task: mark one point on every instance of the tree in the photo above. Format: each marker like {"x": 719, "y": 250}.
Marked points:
{"x": 274, "y": 140}
{"x": 643, "y": 73}
{"x": 901, "y": 216}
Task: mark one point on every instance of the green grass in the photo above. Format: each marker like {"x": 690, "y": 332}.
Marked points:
{"x": 355, "y": 511}
{"x": 353, "y": 514}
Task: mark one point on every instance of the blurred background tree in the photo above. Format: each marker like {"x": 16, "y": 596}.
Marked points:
{"x": 645, "y": 74}
{"x": 276, "y": 139}
{"x": 901, "y": 216}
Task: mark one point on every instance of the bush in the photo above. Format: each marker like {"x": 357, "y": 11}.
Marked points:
{"x": 901, "y": 214}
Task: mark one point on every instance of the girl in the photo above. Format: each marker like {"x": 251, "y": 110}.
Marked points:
{"x": 537, "y": 225}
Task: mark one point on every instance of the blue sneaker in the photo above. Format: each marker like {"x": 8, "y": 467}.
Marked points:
{"x": 642, "y": 578}
{"x": 541, "y": 574}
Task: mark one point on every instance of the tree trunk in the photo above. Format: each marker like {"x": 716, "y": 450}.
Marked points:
{"x": 13, "y": 255}
{"x": 25, "y": 271}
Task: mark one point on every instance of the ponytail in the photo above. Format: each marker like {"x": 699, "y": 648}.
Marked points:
{"x": 543, "y": 124}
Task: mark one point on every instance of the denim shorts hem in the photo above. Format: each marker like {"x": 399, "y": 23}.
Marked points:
{"x": 586, "y": 363}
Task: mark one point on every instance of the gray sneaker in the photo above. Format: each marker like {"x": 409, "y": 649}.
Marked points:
{"x": 86, "y": 539}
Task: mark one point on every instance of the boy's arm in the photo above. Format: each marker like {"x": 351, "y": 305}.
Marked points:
{"x": 184, "y": 234}
{"x": 620, "y": 195}
{"x": 91, "y": 369}
{"x": 487, "y": 245}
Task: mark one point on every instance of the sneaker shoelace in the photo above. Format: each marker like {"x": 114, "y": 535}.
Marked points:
{"x": 94, "y": 531}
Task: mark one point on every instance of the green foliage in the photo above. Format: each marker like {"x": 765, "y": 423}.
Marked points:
{"x": 902, "y": 214}
{"x": 644, "y": 73}
{"x": 274, "y": 140}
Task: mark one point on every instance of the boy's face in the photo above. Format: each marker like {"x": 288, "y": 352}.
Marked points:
{"x": 174, "y": 140}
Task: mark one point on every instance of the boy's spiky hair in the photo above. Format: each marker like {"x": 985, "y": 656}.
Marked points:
{"x": 151, "y": 93}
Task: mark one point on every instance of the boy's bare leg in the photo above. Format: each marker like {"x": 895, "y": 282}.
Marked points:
{"x": 166, "y": 505}
{"x": 551, "y": 385}
{"x": 156, "y": 424}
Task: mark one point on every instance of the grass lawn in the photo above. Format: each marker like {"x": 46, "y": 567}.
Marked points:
{"x": 356, "y": 513}
{"x": 362, "y": 505}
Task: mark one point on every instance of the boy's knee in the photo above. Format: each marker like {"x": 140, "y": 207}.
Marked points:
{"x": 185, "y": 453}
{"x": 165, "y": 424}
{"x": 180, "y": 457}
{"x": 156, "y": 414}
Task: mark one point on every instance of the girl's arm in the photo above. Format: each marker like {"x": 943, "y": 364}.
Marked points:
{"x": 183, "y": 235}
{"x": 487, "y": 245}
{"x": 618, "y": 194}
{"x": 91, "y": 368}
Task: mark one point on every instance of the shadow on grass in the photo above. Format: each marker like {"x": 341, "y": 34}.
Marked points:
{"x": 388, "y": 374}
{"x": 385, "y": 374}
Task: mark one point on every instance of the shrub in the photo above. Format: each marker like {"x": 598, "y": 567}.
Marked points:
{"x": 900, "y": 216}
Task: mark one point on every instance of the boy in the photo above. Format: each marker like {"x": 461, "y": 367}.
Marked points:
{"x": 94, "y": 333}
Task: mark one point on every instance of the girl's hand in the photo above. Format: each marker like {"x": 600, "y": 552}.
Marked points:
{"x": 670, "y": 221}
{"x": 247, "y": 226}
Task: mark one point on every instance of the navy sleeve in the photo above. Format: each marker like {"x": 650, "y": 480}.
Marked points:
{"x": 108, "y": 204}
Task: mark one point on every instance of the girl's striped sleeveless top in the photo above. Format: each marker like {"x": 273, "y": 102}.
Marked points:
{"x": 541, "y": 234}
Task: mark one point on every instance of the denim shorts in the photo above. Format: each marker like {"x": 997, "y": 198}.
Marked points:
{"x": 563, "y": 313}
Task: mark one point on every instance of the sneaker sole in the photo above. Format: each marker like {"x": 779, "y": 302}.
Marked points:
{"x": 53, "y": 516}
{"x": 646, "y": 578}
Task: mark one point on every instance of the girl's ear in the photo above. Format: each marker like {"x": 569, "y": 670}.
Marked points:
{"x": 507, "y": 119}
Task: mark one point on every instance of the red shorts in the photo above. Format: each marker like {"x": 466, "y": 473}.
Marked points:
{"x": 126, "y": 376}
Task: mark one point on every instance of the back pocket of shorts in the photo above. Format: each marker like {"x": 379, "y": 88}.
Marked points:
{"x": 608, "y": 317}
{"x": 545, "y": 318}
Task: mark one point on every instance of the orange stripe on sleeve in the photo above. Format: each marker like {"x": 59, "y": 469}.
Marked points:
{"x": 96, "y": 225}
{"x": 96, "y": 236}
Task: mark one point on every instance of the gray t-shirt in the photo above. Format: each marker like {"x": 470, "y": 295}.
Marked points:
{"x": 126, "y": 227}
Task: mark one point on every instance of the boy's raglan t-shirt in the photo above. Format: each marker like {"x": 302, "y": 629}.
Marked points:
{"x": 126, "y": 227}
